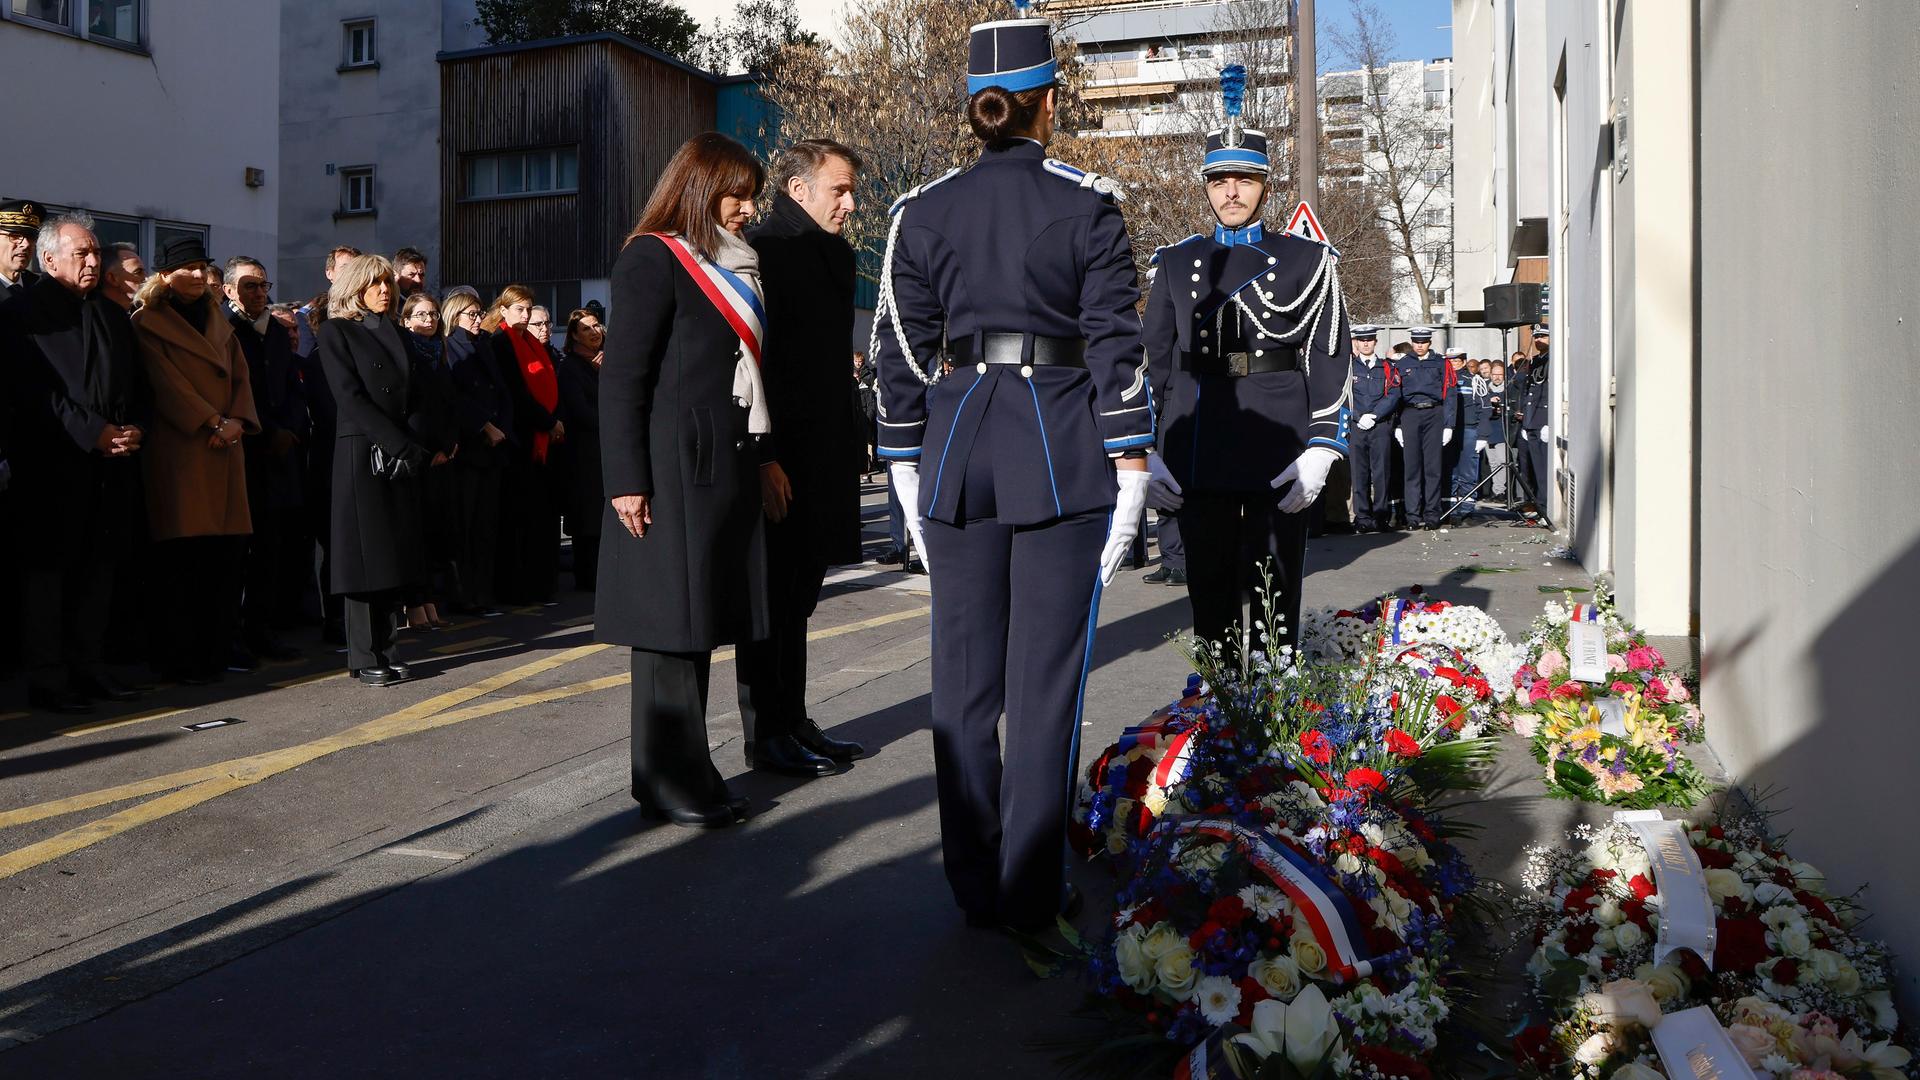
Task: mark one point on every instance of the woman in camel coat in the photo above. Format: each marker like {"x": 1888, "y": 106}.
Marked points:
{"x": 196, "y": 472}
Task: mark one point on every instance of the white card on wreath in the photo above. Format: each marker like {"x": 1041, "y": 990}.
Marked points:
{"x": 1686, "y": 908}
{"x": 1613, "y": 715}
{"x": 1692, "y": 1043}
{"x": 1586, "y": 652}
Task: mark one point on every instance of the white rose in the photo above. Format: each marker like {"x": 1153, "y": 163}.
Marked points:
{"x": 1666, "y": 981}
{"x": 1597, "y": 1048}
{"x": 1176, "y": 972}
{"x": 1794, "y": 942}
{"x": 1770, "y": 893}
{"x": 1309, "y": 955}
{"x": 1609, "y": 913}
{"x": 1347, "y": 863}
{"x": 1826, "y": 964}
{"x": 1628, "y": 936}
{"x": 1161, "y": 940}
{"x": 1633, "y": 1070}
{"x": 1847, "y": 981}
{"x": 1885, "y": 1017}
{"x": 1277, "y": 975}
{"x": 1809, "y": 877}
{"x": 1724, "y": 885}
{"x": 1136, "y": 970}
{"x": 1622, "y": 1003}
{"x": 1754, "y": 1043}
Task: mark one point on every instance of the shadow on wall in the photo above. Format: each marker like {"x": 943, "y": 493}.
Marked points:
{"x": 1844, "y": 785}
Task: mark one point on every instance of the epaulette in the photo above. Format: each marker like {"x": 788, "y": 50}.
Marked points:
{"x": 921, "y": 190}
{"x": 1154, "y": 259}
{"x": 1105, "y": 186}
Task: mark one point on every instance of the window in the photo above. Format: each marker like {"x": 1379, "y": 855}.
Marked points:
{"x": 1436, "y": 100}
{"x": 523, "y": 172}
{"x": 356, "y": 190}
{"x": 110, "y": 22}
{"x": 1433, "y": 177}
{"x": 1437, "y": 139}
{"x": 357, "y": 45}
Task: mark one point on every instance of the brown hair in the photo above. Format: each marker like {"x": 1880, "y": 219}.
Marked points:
{"x": 998, "y": 115}
{"x": 573, "y": 321}
{"x": 512, "y": 294}
{"x": 334, "y": 256}
{"x": 686, "y": 201}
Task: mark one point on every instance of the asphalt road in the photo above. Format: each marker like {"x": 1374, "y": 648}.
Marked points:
{"x": 448, "y": 878}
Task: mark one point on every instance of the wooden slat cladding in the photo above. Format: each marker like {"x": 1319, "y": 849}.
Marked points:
{"x": 626, "y": 112}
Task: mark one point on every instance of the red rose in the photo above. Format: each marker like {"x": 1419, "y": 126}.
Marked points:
{"x": 1712, "y": 858}
{"x": 1642, "y": 888}
{"x": 1228, "y": 910}
{"x": 1365, "y": 779}
{"x": 1570, "y": 690}
{"x": 1578, "y": 901}
{"x": 1816, "y": 907}
{"x": 1580, "y": 937}
{"x": 1656, "y": 692}
{"x": 1316, "y": 747}
{"x": 1786, "y": 971}
{"x": 1619, "y": 687}
{"x": 1402, "y": 744}
{"x": 1535, "y": 1046}
{"x": 1739, "y": 945}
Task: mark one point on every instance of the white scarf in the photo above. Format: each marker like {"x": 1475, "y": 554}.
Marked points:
{"x": 738, "y": 257}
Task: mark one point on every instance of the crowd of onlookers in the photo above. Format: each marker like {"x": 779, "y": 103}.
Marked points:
{"x": 169, "y": 485}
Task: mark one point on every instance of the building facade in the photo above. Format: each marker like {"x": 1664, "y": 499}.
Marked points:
{"x": 173, "y": 145}
{"x": 1152, "y": 67}
{"x": 1730, "y": 435}
{"x": 1392, "y": 128}
{"x": 359, "y": 129}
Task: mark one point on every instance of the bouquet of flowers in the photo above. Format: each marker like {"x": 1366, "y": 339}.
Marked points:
{"x": 1617, "y": 742}
{"x": 1801, "y": 996}
{"x": 1290, "y": 904}
{"x": 1463, "y": 635}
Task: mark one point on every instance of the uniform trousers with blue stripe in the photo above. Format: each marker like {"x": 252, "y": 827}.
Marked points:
{"x": 1014, "y": 608}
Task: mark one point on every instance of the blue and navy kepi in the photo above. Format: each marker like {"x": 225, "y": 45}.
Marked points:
{"x": 1365, "y": 332}
{"x": 1421, "y": 333}
{"x": 1234, "y": 148}
{"x": 1012, "y": 54}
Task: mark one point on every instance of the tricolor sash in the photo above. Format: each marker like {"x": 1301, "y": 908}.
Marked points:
{"x": 1323, "y": 907}
{"x": 729, "y": 294}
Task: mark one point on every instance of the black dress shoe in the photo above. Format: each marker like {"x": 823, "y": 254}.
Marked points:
{"x": 808, "y": 735}
{"x": 915, "y": 566}
{"x": 1177, "y": 577}
{"x": 400, "y": 669}
{"x": 690, "y": 817}
{"x": 891, "y": 557}
{"x": 1160, "y": 576}
{"x": 379, "y": 676}
{"x": 64, "y": 702}
{"x": 103, "y": 688}
{"x": 783, "y": 754}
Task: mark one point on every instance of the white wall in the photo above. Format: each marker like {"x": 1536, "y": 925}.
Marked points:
{"x": 388, "y": 118}
{"x": 167, "y": 136}
{"x": 1810, "y": 529}
{"x": 1475, "y": 262}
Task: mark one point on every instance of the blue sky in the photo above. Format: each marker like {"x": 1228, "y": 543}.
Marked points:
{"x": 1420, "y": 28}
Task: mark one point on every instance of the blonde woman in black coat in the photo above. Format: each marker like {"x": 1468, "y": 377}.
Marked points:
{"x": 682, "y": 559}
{"x": 378, "y": 544}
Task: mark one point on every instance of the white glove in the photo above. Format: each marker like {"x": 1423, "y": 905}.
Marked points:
{"x": 1126, "y": 519}
{"x": 1163, "y": 492}
{"x": 906, "y": 487}
{"x": 1398, "y": 438}
{"x": 1446, "y": 436}
{"x": 1546, "y": 433}
{"x": 1524, "y": 437}
{"x": 1367, "y": 422}
{"x": 1480, "y": 447}
{"x": 1307, "y": 474}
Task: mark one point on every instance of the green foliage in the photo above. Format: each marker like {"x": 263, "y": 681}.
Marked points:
{"x": 658, "y": 24}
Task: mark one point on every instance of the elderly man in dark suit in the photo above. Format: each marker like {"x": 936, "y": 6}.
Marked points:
{"x": 80, "y": 408}
{"x": 810, "y": 481}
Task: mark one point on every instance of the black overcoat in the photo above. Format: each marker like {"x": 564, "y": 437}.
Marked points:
{"x": 377, "y": 538}
{"x": 480, "y": 399}
{"x": 586, "y": 495}
{"x": 670, "y": 428}
{"x": 274, "y": 481}
{"x": 818, "y": 435}
{"x": 71, "y": 367}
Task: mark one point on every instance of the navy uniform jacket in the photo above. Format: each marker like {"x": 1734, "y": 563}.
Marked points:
{"x": 1533, "y": 394}
{"x": 1017, "y": 243}
{"x": 1223, "y": 432}
{"x": 1376, "y": 389}
{"x": 1432, "y": 380}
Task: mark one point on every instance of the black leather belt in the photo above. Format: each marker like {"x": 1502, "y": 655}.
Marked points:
{"x": 1019, "y": 350}
{"x": 1423, "y": 404}
{"x": 1237, "y": 364}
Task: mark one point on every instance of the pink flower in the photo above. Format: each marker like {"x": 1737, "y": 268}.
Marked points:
{"x": 1656, "y": 691}
{"x": 1525, "y": 724}
{"x": 1552, "y": 662}
{"x": 1677, "y": 691}
{"x": 1539, "y": 691}
{"x": 1645, "y": 658}
{"x": 1621, "y": 688}
{"x": 1616, "y": 663}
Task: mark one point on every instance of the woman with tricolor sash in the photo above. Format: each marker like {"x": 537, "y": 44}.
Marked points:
{"x": 682, "y": 410}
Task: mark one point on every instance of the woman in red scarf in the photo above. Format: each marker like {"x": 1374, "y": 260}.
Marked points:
{"x": 528, "y": 559}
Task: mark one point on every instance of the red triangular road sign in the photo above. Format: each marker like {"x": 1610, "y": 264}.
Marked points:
{"x": 1307, "y": 227}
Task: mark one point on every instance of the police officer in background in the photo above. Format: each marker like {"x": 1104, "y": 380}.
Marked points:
{"x": 1375, "y": 401}
{"x": 1022, "y": 472}
{"x": 1429, "y": 399}
{"x": 1245, "y": 332}
{"x": 1536, "y": 433}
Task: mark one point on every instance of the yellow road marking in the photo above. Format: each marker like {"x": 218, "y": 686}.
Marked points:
{"x": 464, "y": 646}
{"x": 210, "y": 781}
{"x": 120, "y": 721}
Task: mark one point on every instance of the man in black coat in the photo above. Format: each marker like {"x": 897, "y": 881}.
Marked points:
{"x": 279, "y": 552}
{"x": 80, "y": 407}
{"x": 810, "y": 477}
